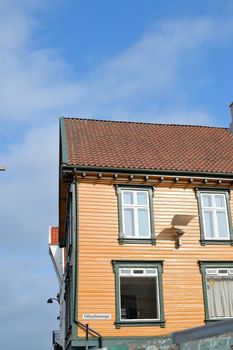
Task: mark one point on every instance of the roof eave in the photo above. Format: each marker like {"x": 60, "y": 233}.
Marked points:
{"x": 63, "y": 157}
{"x": 68, "y": 167}
{"x": 63, "y": 141}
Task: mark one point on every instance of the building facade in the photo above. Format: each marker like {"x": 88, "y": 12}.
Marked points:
{"x": 145, "y": 218}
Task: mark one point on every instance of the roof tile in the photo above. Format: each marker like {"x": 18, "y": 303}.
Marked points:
{"x": 148, "y": 146}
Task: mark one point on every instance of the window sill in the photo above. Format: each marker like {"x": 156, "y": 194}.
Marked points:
{"x": 126, "y": 240}
{"x": 212, "y": 320}
{"x": 139, "y": 323}
{"x": 216, "y": 242}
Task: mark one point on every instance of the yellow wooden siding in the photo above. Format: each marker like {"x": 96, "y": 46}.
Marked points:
{"x": 98, "y": 246}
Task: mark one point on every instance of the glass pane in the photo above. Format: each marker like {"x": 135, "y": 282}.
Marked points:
{"x": 220, "y": 296}
{"x": 128, "y": 221}
{"x": 223, "y": 230}
{"x": 142, "y": 198}
{"x": 139, "y": 298}
{"x": 127, "y": 197}
{"x": 220, "y": 201}
{"x": 143, "y": 223}
{"x": 208, "y": 224}
{"x": 206, "y": 200}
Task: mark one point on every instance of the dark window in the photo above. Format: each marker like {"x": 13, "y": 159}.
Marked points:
{"x": 139, "y": 293}
{"x": 139, "y": 298}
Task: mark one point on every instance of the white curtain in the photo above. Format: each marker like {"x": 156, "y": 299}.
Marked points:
{"x": 220, "y": 296}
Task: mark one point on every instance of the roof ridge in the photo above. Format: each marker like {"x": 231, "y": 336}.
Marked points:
{"x": 145, "y": 123}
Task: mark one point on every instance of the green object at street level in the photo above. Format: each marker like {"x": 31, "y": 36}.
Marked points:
{"x": 118, "y": 347}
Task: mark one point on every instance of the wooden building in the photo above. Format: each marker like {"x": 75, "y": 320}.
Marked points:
{"x": 145, "y": 216}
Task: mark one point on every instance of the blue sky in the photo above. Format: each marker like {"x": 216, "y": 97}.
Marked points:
{"x": 154, "y": 61}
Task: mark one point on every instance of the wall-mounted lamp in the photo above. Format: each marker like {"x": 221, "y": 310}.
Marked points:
{"x": 179, "y": 222}
{"x": 50, "y": 300}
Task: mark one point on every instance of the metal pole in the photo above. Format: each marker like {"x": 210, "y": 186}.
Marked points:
{"x": 87, "y": 335}
{"x": 100, "y": 342}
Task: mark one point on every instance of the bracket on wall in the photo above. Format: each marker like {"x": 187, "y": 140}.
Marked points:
{"x": 179, "y": 222}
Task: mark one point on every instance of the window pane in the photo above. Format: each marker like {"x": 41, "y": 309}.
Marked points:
{"x": 142, "y": 198}
{"x": 220, "y": 201}
{"x": 223, "y": 230}
{"x": 208, "y": 224}
{"x": 206, "y": 200}
{"x": 128, "y": 197}
{"x": 143, "y": 223}
{"x": 220, "y": 296}
{"x": 139, "y": 298}
{"x": 128, "y": 221}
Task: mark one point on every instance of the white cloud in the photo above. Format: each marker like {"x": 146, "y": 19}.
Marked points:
{"x": 32, "y": 79}
{"x": 29, "y": 193}
{"x": 146, "y": 81}
{"x": 29, "y": 188}
{"x": 23, "y": 303}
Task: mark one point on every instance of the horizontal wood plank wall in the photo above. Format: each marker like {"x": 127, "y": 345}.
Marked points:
{"x": 98, "y": 246}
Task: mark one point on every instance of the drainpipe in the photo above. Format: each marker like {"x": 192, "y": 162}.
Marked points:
{"x": 75, "y": 266}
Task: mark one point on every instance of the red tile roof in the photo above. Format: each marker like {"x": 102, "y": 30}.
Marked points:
{"x": 132, "y": 145}
{"x": 54, "y": 236}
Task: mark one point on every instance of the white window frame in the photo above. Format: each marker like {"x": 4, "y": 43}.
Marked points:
{"x": 135, "y": 207}
{"x": 214, "y": 210}
{"x": 145, "y": 272}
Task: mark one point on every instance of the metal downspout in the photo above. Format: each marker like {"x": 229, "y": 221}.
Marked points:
{"x": 75, "y": 240}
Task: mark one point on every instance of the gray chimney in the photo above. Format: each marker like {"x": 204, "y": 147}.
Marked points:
{"x": 231, "y": 125}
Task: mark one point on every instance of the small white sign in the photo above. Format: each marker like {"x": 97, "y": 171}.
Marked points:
{"x": 97, "y": 316}
{"x": 152, "y": 347}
